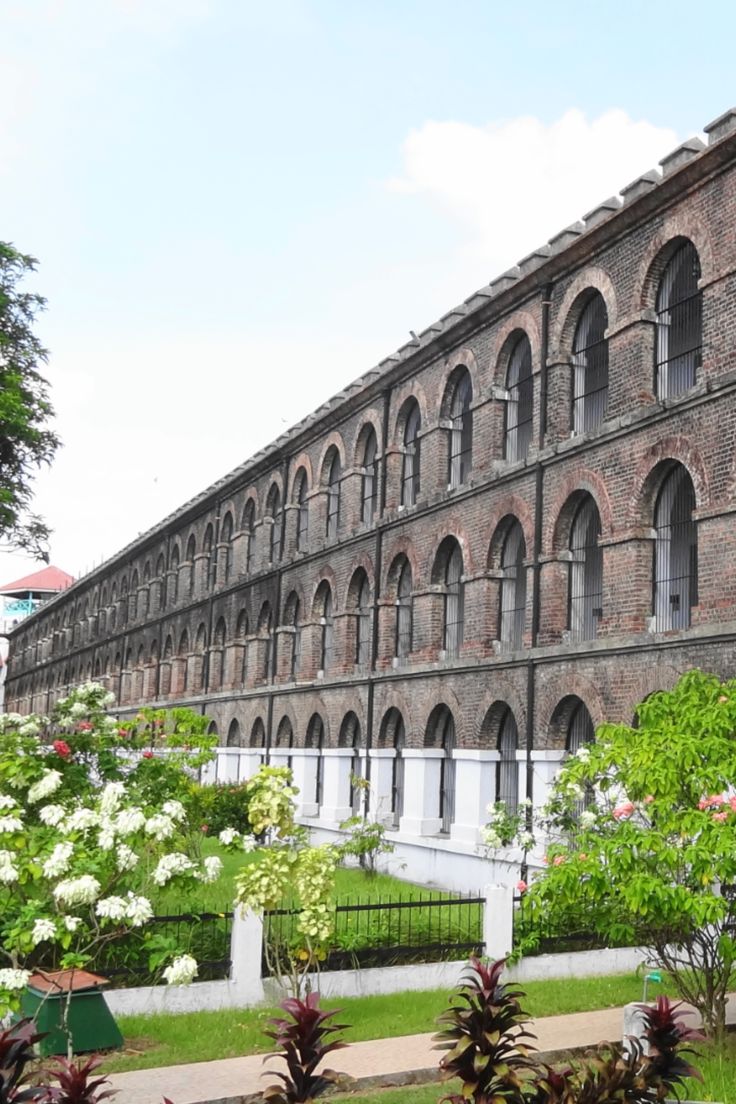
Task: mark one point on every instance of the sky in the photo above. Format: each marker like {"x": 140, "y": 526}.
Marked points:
{"x": 239, "y": 207}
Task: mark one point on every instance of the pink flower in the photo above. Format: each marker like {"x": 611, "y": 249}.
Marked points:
{"x": 623, "y": 811}
{"x": 148, "y": 755}
{"x": 723, "y": 698}
{"x": 522, "y": 886}
{"x": 732, "y": 802}
{"x": 85, "y": 726}
{"x": 649, "y": 799}
{"x": 61, "y": 748}
{"x": 545, "y": 860}
{"x": 719, "y": 816}
{"x": 558, "y": 860}
{"x": 582, "y": 856}
{"x": 204, "y": 828}
{"x": 123, "y": 733}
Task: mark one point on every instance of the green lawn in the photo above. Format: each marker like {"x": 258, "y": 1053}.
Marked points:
{"x": 163, "y": 1040}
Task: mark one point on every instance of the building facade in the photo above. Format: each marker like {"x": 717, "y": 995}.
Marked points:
{"x": 514, "y": 528}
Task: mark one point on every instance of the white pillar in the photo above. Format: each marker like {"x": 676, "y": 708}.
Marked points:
{"x": 246, "y": 944}
{"x": 304, "y": 762}
{"x": 475, "y": 788}
{"x": 249, "y": 762}
{"x": 208, "y": 771}
{"x": 545, "y": 766}
{"x": 227, "y": 764}
{"x": 337, "y": 765}
{"x": 382, "y": 772}
{"x": 498, "y": 921}
{"x": 422, "y": 769}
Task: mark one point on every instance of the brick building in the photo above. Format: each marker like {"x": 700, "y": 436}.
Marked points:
{"x": 517, "y": 526}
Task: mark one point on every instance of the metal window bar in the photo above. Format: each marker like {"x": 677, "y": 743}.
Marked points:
{"x": 369, "y": 490}
{"x": 319, "y": 780}
{"x": 333, "y": 499}
{"x": 296, "y": 650}
{"x": 356, "y": 772}
{"x": 580, "y": 731}
{"x": 410, "y": 481}
{"x": 513, "y": 589}
{"x": 507, "y": 773}
{"x": 520, "y": 403}
{"x": 454, "y": 603}
{"x": 363, "y": 627}
{"x": 586, "y": 573}
{"x": 275, "y": 534}
{"x": 404, "y": 614}
{"x": 326, "y": 622}
{"x": 447, "y": 774}
{"x": 675, "y": 552}
{"x": 397, "y": 775}
{"x": 250, "y": 542}
{"x": 302, "y": 524}
{"x": 590, "y": 366}
{"x": 679, "y": 350}
{"x": 461, "y": 433}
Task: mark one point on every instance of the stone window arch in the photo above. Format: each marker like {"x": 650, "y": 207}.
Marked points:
{"x": 507, "y": 773}
{"x": 264, "y": 632}
{"x": 257, "y": 738}
{"x": 273, "y": 510}
{"x": 585, "y": 584}
{"x": 369, "y": 480}
{"x": 411, "y": 420}
{"x": 332, "y": 478}
{"x": 226, "y": 544}
{"x": 448, "y": 571}
{"x": 301, "y": 490}
{"x": 679, "y": 307}
{"x": 292, "y": 611}
{"x": 315, "y": 738}
{"x": 512, "y": 604}
{"x": 191, "y": 554}
{"x": 590, "y": 365}
{"x": 675, "y": 551}
{"x": 323, "y": 609}
{"x": 175, "y": 574}
{"x": 249, "y": 531}
{"x": 208, "y": 548}
{"x": 393, "y": 734}
{"x": 520, "y": 400}
{"x": 360, "y": 606}
{"x": 404, "y": 634}
{"x": 350, "y": 737}
{"x": 440, "y": 733}
{"x": 234, "y": 735}
{"x": 458, "y": 406}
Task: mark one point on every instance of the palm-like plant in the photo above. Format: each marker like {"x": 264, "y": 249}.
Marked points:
{"x": 304, "y": 1042}
{"x": 16, "y": 1055}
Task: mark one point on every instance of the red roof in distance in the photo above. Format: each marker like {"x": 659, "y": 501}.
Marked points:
{"x": 49, "y": 580}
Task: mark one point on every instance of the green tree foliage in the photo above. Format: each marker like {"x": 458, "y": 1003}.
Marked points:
{"x": 26, "y": 442}
{"x": 651, "y": 857}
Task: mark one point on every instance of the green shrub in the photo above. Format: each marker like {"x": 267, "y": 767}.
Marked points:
{"x": 222, "y": 805}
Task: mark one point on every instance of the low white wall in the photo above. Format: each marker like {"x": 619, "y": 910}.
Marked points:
{"x": 377, "y": 981}
{"x": 201, "y": 996}
{"x": 578, "y": 964}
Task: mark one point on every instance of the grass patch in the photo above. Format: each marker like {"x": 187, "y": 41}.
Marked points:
{"x": 163, "y": 1040}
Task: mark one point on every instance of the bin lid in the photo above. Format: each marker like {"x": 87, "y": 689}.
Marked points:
{"x": 56, "y": 982}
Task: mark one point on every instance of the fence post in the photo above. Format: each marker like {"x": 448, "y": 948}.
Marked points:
{"x": 246, "y": 948}
{"x": 498, "y": 920}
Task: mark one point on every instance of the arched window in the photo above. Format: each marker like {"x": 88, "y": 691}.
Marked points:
{"x": 513, "y": 588}
{"x": 234, "y": 738}
{"x": 586, "y": 572}
{"x": 350, "y": 738}
{"x": 411, "y": 468}
{"x": 580, "y": 728}
{"x": 360, "y": 590}
{"x": 257, "y": 737}
{"x": 315, "y": 738}
{"x": 273, "y": 509}
{"x": 208, "y": 549}
{"x": 369, "y": 486}
{"x": 183, "y": 654}
{"x": 324, "y": 606}
{"x": 520, "y": 402}
{"x": 333, "y": 495}
{"x": 285, "y": 737}
{"x": 454, "y": 612}
{"x": 200, "y": 647}
{"x": 134, "y": 587}
{"x": 590, "y": 365}
{"x": 218, "y": 655}
{"x": 441, "y": 734}
{"x": 461, "y": 431}
{"x": 191, "y": 553}
{"x": 679, "y": 323}
{"x": 291, "y": 619}
{"x": 302, "y": 517}
{"x": 675, "y": 551}
{"x": 241, "y": 636}
{"x": 249, "y": 531}
{"x": 393, "y": 734}
{"x": 507, "y": 777}
{"x": 226, "y": 542}
{"x": 404, "y": 612}
{"x": 264, "y": 631}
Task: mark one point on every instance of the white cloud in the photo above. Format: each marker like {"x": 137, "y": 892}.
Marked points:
{"x": 511, "y": 185}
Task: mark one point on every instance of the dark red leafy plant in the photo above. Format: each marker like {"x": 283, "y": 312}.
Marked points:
{"x": 75, "y": 1084}
{"x": 304, "y": 1042}
{"x": 665, "y": 1035}
{"x": 16, "y": 1055}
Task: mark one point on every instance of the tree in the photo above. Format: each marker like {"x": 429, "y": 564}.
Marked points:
{"x": 644, "y": 828}
{"x": 26, "y": 442}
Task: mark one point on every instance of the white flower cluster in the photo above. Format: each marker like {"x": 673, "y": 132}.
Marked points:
{"x": 58, "y": 861}
{"x": 212, "y": 869}
{"x": 228, "y": 837}
{"x": 490, "y": 837}
{"x": 130, "y": 820}
{"x": 106, "y": 838}
{"x": 52, "y": 815}
{"x": 7, "y": 802}
{"x": 42, "y": 930}
{"x": 526, "y": 841}
{"x": 47, "y": 784}
{"x": 30, "y": 728}
{"x": 174, "y": 809}
{"x": 182, "y": 970}
{"x": 8, "y": 869}
{"x": 587, "y": 818}
{"x": 80, "y": 820}
{"x": 10, "y": 824}
{"x": 14, "y": 980}
{"x": 583, "y": 754}
{"x": 78, "y": 710}
{"x": 135, "y": 910}
{"x": 78, "y": 891}
{"x": 125, "y": 857}
{"x": 111, "y": 908}
{"x": 160, "y": 826}
{"x": 71, "y": 923}
{"x": 112, "y": 795}
{"x": 169, "y": 866}
{"x": 139, "y": 910}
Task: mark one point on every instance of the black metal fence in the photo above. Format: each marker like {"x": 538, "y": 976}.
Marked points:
{"x": 139, "y": 957}
{"x": 424, "y": 928}
{"x": 548, "y": 935}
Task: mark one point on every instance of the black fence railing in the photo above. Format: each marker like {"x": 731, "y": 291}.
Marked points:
{"x": 427, "y": 928}
{"x": 548, "y": 935}
{"x": 131, "y": 960}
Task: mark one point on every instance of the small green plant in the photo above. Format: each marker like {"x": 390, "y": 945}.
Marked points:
{"x": 366, "y": 841}
{"x": 304, "y": 1042}
{"x": 221, "y": 805}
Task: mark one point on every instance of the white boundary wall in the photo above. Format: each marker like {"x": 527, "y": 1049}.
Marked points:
{"x": 246, "y": 988}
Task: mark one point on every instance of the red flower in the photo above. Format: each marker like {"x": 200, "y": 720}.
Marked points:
{"x": 62, "y": 748}
{"x": 204, "y": 828}
{"x": 623, "y": 811}
{"x": 85, "y": 726}
{"x": 148, "y": 755}
{"x": 522, "y": 886}
{"x": 123, "y": 733}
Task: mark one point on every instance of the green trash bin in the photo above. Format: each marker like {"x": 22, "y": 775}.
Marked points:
{"x": 90, "y": 1021}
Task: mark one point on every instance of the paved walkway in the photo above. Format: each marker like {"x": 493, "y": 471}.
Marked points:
{"x": 400, "y": 1060}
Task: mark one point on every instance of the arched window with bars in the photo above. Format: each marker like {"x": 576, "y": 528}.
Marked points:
{"x": 208, "y": 549}
{"x": 675, "y": 551}
{"x": 226, "y": 542}
{"x": 441, "y": 734}
{"x": 350, "y": 737}
{"x": 175, "y": 574}
{"x": 315, "y": 738}
{"x": 520, "y": 401}
{"x": 507, "y": 771}
{"x": 404, "y": 612}
{"x": 265, "y": 633}
{"x": 291, "y": 619}
{"x": 461, "y": 431}
{"x": 513, "y": 588}
{"x": 323, "y": 601}
{"x": 580, "y": 731}
{"x": 249, "y": 531}
{"x": 302, "y": 515}
{"x": 241, "y": 637}
{"x": 411, "y": 466}
{"x": 392, "y": 734}
{"x": 590, "y": 366}
{"x": 234, "y": 735}
{"x": 360, "y": 592}
{"x": 586, "y": 571}
{"x": 369, "y": 482}
{"x": 273, "y": 509}
{"x": 334, "y": 473}
{"x": 285, "y": 738}
{"x": 679, "y": 306}
{"x": 449, "y": 571}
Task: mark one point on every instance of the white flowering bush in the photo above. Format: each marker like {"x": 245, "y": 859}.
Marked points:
{"x": 508, "y": 829}
{"x": 93, "y": 821}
